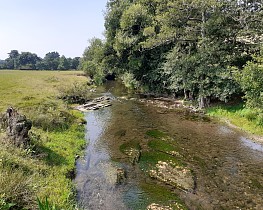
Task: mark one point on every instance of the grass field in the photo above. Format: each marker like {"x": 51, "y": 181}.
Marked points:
{"x": 44, "y": 170}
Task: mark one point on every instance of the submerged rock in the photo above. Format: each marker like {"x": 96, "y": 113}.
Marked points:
{"x": 176, "y": 176}
{"x": 17, "y": 127}
{"x": 132, "y": 150}
{"x": 155, "y": 206}
{"x": 134, "y": 155}
{"x": 121, "y": 176}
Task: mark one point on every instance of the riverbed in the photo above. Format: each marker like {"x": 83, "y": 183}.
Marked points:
{"x": 225, "y": 164}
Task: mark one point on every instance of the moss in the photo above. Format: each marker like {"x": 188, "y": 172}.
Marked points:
{"x": 162, "y": 195}
{"x": 155, "y": 133}
{"x": 161, "y": 145}
{"x": 130, "y": 145}
{"x": 149, "y": 159}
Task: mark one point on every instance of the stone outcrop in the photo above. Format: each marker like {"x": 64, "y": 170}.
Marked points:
{"x": 97, "y": 103}
{"x": 17, "y": 127}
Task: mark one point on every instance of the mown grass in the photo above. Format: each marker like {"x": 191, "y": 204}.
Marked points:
{"x": 45, "y": 169}
{"x": 250, "y": 120}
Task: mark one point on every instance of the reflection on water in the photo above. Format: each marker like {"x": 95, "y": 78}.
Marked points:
{"x": 96, "y": 175}
{"x": 96, "y": 172}
{"x": 249, "y": 143}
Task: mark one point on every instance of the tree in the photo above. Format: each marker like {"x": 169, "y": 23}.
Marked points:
{"x": 64, "y": 63}
{"x": 11, "y": 61}
{"x": 75, "y": 63}
{"x": 183, "y": 47}
{"x": 51, "y": 60}
{"x": 251, "y": 82}
{"x": 27, "y": 60}
{"x": 92, "y": 60}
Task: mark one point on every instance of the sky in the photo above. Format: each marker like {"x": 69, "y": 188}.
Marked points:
{"x": 42, "y": 26}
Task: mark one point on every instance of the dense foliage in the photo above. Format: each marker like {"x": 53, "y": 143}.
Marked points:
{"x": 181, "y": 47}
{"x": 30, "y": 61}
{"x": 251, "y": 82}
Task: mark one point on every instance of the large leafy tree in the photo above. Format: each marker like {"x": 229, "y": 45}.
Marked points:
{"x": 64, "y": 63}
{"x": 27, "y": 60}
{"x": 183, "y": 46}
{"x": 51, "y": 60}
{"x": 92, "y": 61}
{"x": 251, "y": 82}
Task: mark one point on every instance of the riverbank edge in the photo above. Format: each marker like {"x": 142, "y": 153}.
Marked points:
{"x": 44, "y": 171}
{"x": 250, "y": 129}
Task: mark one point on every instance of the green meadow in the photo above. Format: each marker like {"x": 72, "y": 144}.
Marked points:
{"x": 45, "y": 169}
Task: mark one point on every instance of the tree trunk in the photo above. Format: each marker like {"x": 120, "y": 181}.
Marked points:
{"x": 203, "y": 102}
{"x": 186, "y": 97}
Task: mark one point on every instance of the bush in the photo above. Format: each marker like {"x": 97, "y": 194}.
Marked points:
{"x": 129, "y": 81}
{"x": 77, "y": 93}
{"x": 249, "y": 114}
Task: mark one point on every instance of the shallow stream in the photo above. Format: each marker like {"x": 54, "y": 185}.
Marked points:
{"x": 226, "y": 165}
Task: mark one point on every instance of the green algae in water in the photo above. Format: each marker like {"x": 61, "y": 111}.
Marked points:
{"x": 162, "y": 195}
{"x": 155, "y": 133}
{"x": 130, "y": 145}
{"x": 161, "y": 145}
{"x": 149, "y": 159}
{"x": 150, "y": 193}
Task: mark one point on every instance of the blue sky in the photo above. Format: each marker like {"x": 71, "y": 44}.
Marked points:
{"x": 42, "y": 26}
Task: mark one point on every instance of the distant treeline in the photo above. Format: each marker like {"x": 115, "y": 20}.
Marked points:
{"x": 31, "y": 61}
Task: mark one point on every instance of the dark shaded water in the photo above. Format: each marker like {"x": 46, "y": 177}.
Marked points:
{"x": 227, "y": 165}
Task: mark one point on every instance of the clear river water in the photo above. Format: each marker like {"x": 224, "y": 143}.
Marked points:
{"x": 226, "y": 164}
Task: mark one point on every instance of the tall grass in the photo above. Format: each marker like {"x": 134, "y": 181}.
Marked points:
{"x": 250, "y": 120}
{"x": 44, "y": 169}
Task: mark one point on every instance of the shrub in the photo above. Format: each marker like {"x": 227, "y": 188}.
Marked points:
{"x": 76, "y": 93}
{"x": 129, "y": 81}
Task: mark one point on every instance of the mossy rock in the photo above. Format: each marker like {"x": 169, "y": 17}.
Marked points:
{"x": 161, "y": 196}
{"x": 156, "y": 134}
{"x": 150, "y": 158}
{"x": 133, "y": 150}
{"x": 163, "y": 145}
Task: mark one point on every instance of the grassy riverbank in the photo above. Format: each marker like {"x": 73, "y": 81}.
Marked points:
{"x": 45, "y": 169}
{"x": 249, "y": 120}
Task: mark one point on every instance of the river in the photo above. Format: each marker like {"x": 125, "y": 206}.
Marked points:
{"x": 226, "y": 166}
